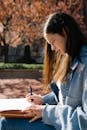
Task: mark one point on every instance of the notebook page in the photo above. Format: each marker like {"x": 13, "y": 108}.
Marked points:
{"x": 14, "y": 104}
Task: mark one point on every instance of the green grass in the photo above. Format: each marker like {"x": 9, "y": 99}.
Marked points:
{"x": 20, "y": 66}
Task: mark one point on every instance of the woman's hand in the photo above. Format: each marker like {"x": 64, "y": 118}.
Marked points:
{"x": 35, "y": 111}
{"x": 36, "y": 99}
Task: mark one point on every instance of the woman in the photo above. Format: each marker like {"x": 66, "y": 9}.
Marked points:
{"x": 65, "y": 71}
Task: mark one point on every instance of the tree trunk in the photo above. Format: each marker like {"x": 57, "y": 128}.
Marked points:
{"x": 6, "y": 53}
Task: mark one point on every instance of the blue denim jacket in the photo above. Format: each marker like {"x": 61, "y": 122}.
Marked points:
{"x": 73, "y": 114}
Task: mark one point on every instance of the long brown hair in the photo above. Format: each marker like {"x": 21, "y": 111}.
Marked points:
{"x": 57, "y": 66}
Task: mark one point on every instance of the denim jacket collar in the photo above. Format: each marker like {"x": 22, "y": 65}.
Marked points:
{"x": 82, "y": 58}
{"x": 74, "y": 64}
{"x": 83, "y": 54}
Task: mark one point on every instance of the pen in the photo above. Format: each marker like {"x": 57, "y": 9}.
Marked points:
{"x": 31, "y": 91}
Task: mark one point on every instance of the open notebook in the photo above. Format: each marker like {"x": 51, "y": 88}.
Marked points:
{"x": 13, "y": 107}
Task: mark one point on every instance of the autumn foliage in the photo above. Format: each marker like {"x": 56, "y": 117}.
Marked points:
{"x": 23, "y": 20}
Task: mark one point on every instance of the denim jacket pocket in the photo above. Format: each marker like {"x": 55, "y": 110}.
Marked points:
{"x": 73, "y": 101}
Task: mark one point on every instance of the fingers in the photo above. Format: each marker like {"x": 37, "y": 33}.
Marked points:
{"x": 37, "y": 99}
{"x": 34, "y": 119}
{"x": 34, "y": 112}
{"x": 30, "y": 98}
{"x": 28, "y": 113}
{"x": 30, "y": 109}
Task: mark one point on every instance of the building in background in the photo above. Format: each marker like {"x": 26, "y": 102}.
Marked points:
{"x": 21, "y": 25}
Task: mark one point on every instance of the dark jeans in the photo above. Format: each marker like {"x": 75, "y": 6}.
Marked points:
{"x": 23, "y": 124}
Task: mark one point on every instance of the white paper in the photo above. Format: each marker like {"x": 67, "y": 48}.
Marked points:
{"x": 14, "y": 104}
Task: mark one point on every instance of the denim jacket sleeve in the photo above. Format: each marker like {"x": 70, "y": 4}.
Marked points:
{"x": 67, "y": 117}
{"x": 49, "y": 98}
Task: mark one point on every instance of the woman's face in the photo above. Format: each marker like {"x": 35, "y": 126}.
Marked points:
{"x": 57, "y": 42}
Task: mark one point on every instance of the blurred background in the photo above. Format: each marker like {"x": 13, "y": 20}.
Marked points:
{"x": 21, "y": 26}
{"x": 22, "y": 42}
